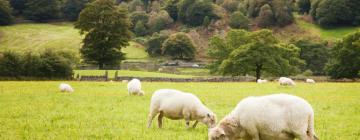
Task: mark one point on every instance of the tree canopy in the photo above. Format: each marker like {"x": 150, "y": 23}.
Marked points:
{"x": 179, "y": 46}
{"x": 107, "y": 29}
{"x": 5, "y": 13}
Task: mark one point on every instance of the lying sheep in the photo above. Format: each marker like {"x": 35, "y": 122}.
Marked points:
{"x": 311, "y": 81}
{"x": 272, "y": 117}
{"x": 260, "y": 81}
{"x": 134, "y": 87}
{"x": 66, "y": 88}
{"x": 175, "y": 105}
{"x": 284, "y": 81}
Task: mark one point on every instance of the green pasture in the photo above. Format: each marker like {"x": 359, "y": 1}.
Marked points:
{"x": 103, "y": 110}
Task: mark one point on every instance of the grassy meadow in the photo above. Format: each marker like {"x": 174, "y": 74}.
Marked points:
{"x": 103, "y": 110}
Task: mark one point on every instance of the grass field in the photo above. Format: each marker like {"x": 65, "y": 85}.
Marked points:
{"x": 111, "y": 73}
{"x": 62, "y": 36}
{"x": 103, "y": 110}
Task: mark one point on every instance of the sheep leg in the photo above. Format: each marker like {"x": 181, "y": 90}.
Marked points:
{"x": 151, "y": 117}
{"x": 254, "y": 134}
{"x": 196, "y": 122}
{"x": 160, "y": 117}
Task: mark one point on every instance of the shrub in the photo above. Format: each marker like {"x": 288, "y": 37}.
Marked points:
{"x": 171, "y": 8}
{"x": 230, "y": 5}
{"x": 42, "y": 10}
{"x": 239, "y": 21}
{"x": 304, "y": 6}
{"x": 140, "y": 29}
{"x": 282, "y": 12}
{"x": 11, "y": 65}
{"x": 159, "y": 21}
{"x": 179, "y": 46}
{"x": 266, "y": 17}
{"x": 154, "y": 44}
{"x": 72, "y": 9}
{"x": 136, "y": 5}
{"x": 137, "y": 16}
{"x": 197, "y": 12}
{"x": 5, "y": 13}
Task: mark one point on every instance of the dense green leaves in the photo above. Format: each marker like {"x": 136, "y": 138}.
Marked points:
{"x": 5, "y": 13}
{"x": 179, "y": 46}
{"x": 345, "y": 57}
{"x": 239, "y": 21}
{"x": 266, "y": 17}
{"x": 255, "y": 53}
{"x": 42, "y": 10}
{"x": 106, "y": 28}
{"x": 72, "y": 8}
{"x": 193, "y": 12}
{"x": 154, "y": 44}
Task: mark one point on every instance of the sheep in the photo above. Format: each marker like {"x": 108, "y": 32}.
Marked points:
{"x": 286, "y": 81}
{"x": 271, "y": 117}
{"x": 176, "y": 105}
{"x": 134, "y": 87}
{"x": 260, "y": 81}
{"x": 66, "y": 88}
{"x": 311, "y": 81}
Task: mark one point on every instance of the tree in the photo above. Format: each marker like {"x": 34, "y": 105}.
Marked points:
{"x": 282, "y": 12}
{"x": 304, "y": 6}
{"x": 171, "y": 8}
{"x": 106, "y": 28}
{"x": 345, "y": 58}
{"x": 137, "y": 16}
{"x": 239, "y": 21}
{"x": 5, "y": 13}
{"x": 230, "y": 5}
{"x": 266, "y": 17}
{"x": 140, "y": 29}
{"x": 259, "y": 52}
{"x": 179, "y": 46}
{"x": 72, "y": 9}
{"x": 315, "y": 54}
{"x": 11, "y": 64}
{"x": 18, "y": 6}
{"x": 154, "y": 44}
{"x": 197, "y": 12}
{"x": 182, "y": 7}
{"x": 159, "y": 21}
{"x": 42, "y": 10}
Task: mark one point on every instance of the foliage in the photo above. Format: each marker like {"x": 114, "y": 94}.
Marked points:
{"x": 304, "y": 6}
{"x": 179, "y": 46}
{"x": 282, "y": 12}
{"x": 345, "y": 57}
{"x": 182, "y": 7}
{"x": 154, "y": 44}
{"x": 197, "y": 12}
{"x": 243, "y": 52}
{"x": 266, "y": 17}
{"x": 48, "y": 65}
{"x": 171, "y": 8}
{"x": 239, "y": 21}
{"x": 72, "y": 8}
{"x": 159, "y": 21}
{"x": 140, "y": 29}
{"x": 18, "y": 6}
{"x": 230, "y": 5}
{"x": 137, "y": 16}
{"x": 5, "y": 13}
{"x": 106, "y": 28}
{"x": 136, "y": 5}
{"x": 315, "y": 54}
{"x": 42, "y": 10}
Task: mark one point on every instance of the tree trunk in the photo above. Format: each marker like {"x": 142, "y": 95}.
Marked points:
{"x": 101, "y": 65}
{"x": 258, "y": 71}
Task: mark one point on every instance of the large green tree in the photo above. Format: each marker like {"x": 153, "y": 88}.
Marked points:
{"x": 5, "y": 13}
{"x": 42, "y": 10}
{"x": 259, "y": 52}
{"x": 304, "y": 6}
{"x": 72, "y": 8}
{"x": 345, "y": 58}
{"x": 107, "y": 29}
{"x": 179, "y": 46}
{"x": 18, "y": 6}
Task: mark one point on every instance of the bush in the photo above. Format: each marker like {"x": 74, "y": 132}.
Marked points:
{"x": 11, "y": 65}
{"x": 136, "y": 5}
{"x": 5, "y": 13}
{"x": 197, "y": 12}
{"x": 140, "y": 29}
{"x": 266, "y": 17}
{"x": 171, "y": 8}
{"x": 304, "y": 6}
{"x": 42, "y": 10}
{"x": 159, "y": 21}
{"x": 239, "y": 21}
{"x": 137, "y": 16}
{"x": 179, "y": 46}
{"x": 154, "y": 44}
{"x": 282, "y": 12}
{"x": 72, "y": 9}
{"x": 230, "y": 5}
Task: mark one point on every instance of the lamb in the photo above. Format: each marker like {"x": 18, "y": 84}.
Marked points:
{"x": 176, "y": 105}
{"x": 311, "y": 81}
{"x": 286, "y": 81}
{"x": 66, "y": 88}
{"x": 271, "y": 117}
{"x": 134, "y": 87}
{"x": 260, "y": 81}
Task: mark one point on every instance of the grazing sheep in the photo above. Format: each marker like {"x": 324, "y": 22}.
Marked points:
{"x": 284, "y": 81}
{"x": 260, "y": 81}
{"x": 66, "y": 88}
{"x": 272, "y": 117}
{"x": 311, "y": 81}
{"x": 175, "y": 105}
{"x": 134, "y": 87}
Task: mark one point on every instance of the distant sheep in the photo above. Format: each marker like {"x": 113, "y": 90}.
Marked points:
{"x": 66, "y": 88}
{"x": 134, "y": 87}
{"x": 175, "y": 105}
{"x": 284, "y": 81}
{"x": 311, "y": 81}
{"x": 271, "y": 117}
{"x": 260, "y": 81}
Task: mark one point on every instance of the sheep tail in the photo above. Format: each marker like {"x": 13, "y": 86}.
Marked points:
{"x": 311, "y": 131}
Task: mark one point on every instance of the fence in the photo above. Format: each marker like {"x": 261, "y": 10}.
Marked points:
{"x": 195, "y": 79}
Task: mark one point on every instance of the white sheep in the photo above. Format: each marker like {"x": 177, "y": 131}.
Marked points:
{"x": 175, "y": 105}
{"x": 271, "y": 117}
{"x": 311, "y": 81}
{"x": 260, "y": 81}
{"x": 66, "y": 88}
{"x": 134, "y": 87}
{"x": 286, "y": 81}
